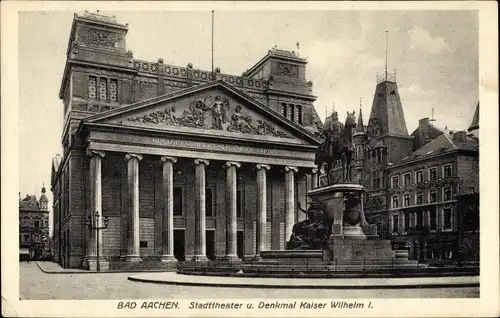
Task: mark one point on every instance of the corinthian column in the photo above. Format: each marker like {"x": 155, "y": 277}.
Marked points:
{"x": 168, "y": 209}
{"x": 231, "y": 206}
{"x": 289, "y": 200}
{"x": 201, "y": 240}
{"x": 95, "y": 206}
{"x": 261, "y": 209}
{"x": 133, "y": 250}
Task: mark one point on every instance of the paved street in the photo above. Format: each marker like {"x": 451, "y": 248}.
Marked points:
{"x": 36, "y": 284}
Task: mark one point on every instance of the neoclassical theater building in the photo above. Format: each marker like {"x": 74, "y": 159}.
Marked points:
{"x": 184, "y": 163}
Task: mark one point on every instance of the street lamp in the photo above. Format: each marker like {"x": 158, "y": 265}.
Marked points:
{"x": 93, "y": 224}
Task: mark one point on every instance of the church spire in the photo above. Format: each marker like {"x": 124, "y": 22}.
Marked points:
{"x": 360, "y": 128}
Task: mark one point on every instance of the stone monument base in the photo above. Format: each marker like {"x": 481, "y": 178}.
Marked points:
{"x": 360, "y": 250}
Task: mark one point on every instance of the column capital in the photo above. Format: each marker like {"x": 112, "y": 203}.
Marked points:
{"x": 263, "y": 166}
{"x": 314, "y": 170}
{"x": 233, "y": 163}
{"x": 167, "y": 158}
{"x": 91, "y": 153}
{"x": 201, "y": 161}
{"x": 133, "y": 155}
{"x": 290, "y": 168}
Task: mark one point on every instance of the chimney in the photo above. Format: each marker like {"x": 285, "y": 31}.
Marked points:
{"x": 423, "y": 131}
{"x": 460, "y": 136}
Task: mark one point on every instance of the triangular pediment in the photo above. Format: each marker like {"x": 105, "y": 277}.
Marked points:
{"x": 213, "y": 109}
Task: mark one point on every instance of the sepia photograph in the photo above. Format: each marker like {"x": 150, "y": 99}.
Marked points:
{"x": 223, "y": 160}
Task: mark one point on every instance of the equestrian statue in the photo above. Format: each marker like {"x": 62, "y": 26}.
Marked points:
{"x": 337, "y": 145}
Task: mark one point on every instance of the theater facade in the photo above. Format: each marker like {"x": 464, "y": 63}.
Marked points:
{"x": 184, "y": 164}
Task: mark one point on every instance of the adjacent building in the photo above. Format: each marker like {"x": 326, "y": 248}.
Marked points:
{"x": 34, "y": 240}
{"x": 416, "y": 181}
{"x": 184, "y": 163}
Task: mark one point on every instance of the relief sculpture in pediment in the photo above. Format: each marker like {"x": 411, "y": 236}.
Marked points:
{"x": 211, "y": 113}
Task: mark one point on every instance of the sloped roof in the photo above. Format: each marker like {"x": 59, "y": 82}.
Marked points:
{"x": 360, "y": 127}
{"x": 29, "y": 203}
{"x": 388, "y": 110}
{"x": 475, "y": 121}
{"x": 442, "y": 144}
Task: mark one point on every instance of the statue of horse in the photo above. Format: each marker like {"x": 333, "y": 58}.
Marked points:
{"x": 338, "y": 149}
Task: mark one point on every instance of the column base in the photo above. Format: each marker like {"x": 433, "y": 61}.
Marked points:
{"x": 91, "y": 264}
{"x": 133, "y": 258}
{"x": 167, "y": 258}
{"x": 200, "y": 258}
{"x": 232, "y": 258}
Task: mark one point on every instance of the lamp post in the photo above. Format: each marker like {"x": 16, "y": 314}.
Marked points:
{"x": 93, "y": 224}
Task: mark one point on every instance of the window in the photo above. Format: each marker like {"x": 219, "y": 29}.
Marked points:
{"x": 433, "y": 196}
{"x": 113, "y": 90}
{"x": 37, "y": 224}
{"x": 395, "y": 182}
{"x": 36, "y": 238}
{"x": 407, "y": 221}
{"x": 446, "y": 194}
{"x": 102, "y": 89}
{"x": 395, "y": 202}
{"x": 419, "y": 176}
{"x": 407, "y": 179}
{"x": 178, "y": 201}
{"x": 92, "y": 87}
{"x": 284, "y": 109}
{"x": 26, "y": 237}
{"x": 377, "y": 180}
{"x": 419, "y": 218}
{"x": 239, "y": 203}
{"x": 447, "y": 171}
{"x": 143, "y": 243}
{"x": 447, "y": 218}
{"x": 291, "y": 112}
{"x": 433, "y": 220}
{"x": 419, "y": 198}
{"x": 298, "y": 116}
{"x": 407, "y": 201}
{"x": 433, "y": 174}
{"x": 208, "y": 202}
{"x": 395, "y": 223}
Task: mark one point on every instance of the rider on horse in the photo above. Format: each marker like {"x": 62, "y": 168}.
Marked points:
{"x": 331, "y": 132}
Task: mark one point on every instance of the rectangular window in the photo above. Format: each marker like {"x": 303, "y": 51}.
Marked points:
{"x": 447, "y": 218}
{"x": 291, "y": 113}
{"x": 178, "y": 201}
{"x": 103, "y": 85}
{"x": 395, "y": 223}
{"x": 407, "y": 222}
{"x": 208, "y": 202}
{"x": 407, "y": 179}
{"x": 239, "y": 203}
{"x": 37, "y": 224}
{"x": 447, "y": 171}
{"x": 92, "y": 87}
{"x": 395, "y": 202}
{"x": 432, "y": 215}
{"x": 419, "y": 197}
{"x": 395, "y": 182}
{"x": 433, "y": 196}
{"x": 113, "y": 87}
{"x": 26, "y": 237}
{"x": 36, "y": 238}
{"x": 446, "y": 194}
{"x": 407, "y": 200}
{"x": 419, "y": 218}
{"x": 284, "y": 110}
{"x": 143, "y": 243}
{"x": 298, "y": 116}
{"x": 377, "y": 180}
{"x": 433, "y": 174}
{"x": 419, "y": 176}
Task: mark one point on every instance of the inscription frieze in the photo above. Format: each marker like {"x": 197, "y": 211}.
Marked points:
{"x": 213, "y": 146}
{"x": 288, "y": 70}
{"x": 211, "y": 113}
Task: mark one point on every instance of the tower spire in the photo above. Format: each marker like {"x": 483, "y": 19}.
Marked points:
{"x": 432, "y": 116}
{"x": 386, "y": 40}
{"x": 360, "y": 128}
{"x": 213, "y": 74}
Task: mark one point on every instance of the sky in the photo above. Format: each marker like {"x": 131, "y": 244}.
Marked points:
{"x": 434, "y": 54}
